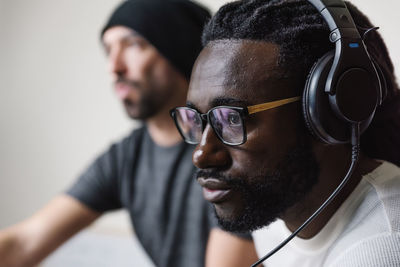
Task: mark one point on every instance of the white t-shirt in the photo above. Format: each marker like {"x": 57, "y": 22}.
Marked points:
{"x": 364, "y": 231}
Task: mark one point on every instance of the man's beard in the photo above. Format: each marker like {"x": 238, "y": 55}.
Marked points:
{"x": 143, "y": 109}
{"x": 149, "y": 102}
{"x": 268, "y": 195}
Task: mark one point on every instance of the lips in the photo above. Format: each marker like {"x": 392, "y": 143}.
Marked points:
{"x": 122, "y": 90}
{"x": 214, "y": 190}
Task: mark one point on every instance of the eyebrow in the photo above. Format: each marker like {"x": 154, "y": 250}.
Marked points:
{"x": 228, "y": 102}
{"x": 221, "y": 101}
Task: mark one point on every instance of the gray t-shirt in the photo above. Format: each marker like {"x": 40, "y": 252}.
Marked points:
{"x": 156, "y": 185}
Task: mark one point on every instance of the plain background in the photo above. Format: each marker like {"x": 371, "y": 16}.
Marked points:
{"x": 57, "y": 107}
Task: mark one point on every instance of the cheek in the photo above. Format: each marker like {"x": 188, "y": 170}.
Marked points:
{"x": 141, "y": 63}
{"x": 268, "y": 141}
{"x": 249, "y": 163}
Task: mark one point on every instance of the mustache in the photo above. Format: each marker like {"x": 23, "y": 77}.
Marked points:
{"x": 215, "y": 174}
{"x": 132, "y": 83}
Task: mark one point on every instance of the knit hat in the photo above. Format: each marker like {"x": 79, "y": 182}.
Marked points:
{"x": 174, "y": 27}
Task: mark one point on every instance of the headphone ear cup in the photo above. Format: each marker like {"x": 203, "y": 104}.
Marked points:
{"x": 318, "y": 115}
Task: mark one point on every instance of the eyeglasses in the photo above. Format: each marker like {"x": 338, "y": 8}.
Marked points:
{"x": 226, "y": 121}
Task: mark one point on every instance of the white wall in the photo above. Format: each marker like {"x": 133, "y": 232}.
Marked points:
{"x": 57, "y": 109}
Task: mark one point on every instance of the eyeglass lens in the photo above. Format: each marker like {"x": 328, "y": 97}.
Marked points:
{"x": 190, "y": 124}
{"x": 226, "y": 122}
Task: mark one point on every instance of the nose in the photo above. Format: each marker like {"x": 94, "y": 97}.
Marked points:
{"x": 211, "y": 152}
{"x": 116, "y": 62}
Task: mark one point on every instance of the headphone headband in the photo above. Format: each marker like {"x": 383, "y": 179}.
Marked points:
{"x": 350, "y": 48}
{"x": 335, "y": 13}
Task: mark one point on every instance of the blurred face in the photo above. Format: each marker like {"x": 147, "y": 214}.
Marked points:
{"x": 143, "y": 79}
{"x": 251, "y": 184}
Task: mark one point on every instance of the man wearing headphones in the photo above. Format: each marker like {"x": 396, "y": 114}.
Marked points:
{"x": 278, "y": 137}
{"x": 151, "y": 47}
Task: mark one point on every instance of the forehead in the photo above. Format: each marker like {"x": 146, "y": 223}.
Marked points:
{"x": 243, "y": 70}
{"x": 119, "y": 33}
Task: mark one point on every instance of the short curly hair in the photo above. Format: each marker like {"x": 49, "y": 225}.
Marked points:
{"x": 302, "y": 35}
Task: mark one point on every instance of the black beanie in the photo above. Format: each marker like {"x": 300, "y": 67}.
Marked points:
{"x": 174, "y": 27}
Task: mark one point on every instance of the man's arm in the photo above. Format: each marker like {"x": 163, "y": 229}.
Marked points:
{"x": 29, "y": 242}
{"x": 227, "y": 250}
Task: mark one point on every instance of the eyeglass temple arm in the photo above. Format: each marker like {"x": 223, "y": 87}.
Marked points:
{"x": 273, "y": 104}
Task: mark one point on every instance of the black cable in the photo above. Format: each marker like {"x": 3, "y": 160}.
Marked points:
{"x": 355, "y": 151}
{"x": 368, "y": 31}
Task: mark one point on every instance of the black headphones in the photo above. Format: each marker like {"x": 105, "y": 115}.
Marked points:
{"x": 344, "y": 86}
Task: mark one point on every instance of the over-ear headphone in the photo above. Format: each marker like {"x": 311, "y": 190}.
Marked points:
{"x": 344, "y": 86}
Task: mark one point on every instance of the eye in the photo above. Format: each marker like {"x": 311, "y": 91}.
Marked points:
{"x": 234, "y": 119}
{"x": 107, "y": 49}
{"x": 134, "y": 44}
{"x": 197, "y": 120}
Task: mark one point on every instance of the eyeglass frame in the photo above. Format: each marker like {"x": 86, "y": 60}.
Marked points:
{"x": 243, "y": 112}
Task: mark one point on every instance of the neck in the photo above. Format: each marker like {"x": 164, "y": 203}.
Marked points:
{"x": 161, "y": 127}
{"x": 162, "y": 130}
{"x": 334, "y": 163}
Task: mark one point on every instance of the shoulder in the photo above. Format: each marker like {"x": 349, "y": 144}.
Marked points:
{"x": 372, "y": 237}
{"x": 126, "y": 144}
{"x": 386, "y": 173}
{"x": 376, "y": 251}
{"x": 133, "y": 137}
{"x": 385, "y": 181}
